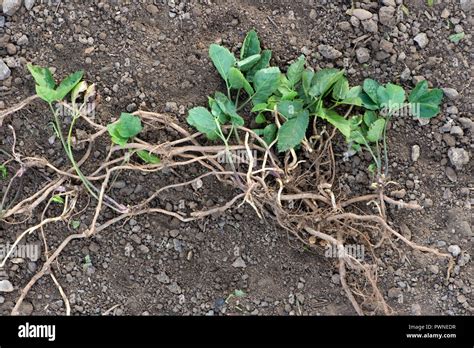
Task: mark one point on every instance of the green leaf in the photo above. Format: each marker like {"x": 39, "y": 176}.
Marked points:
{"x": 292, "y": 132}
{"x": 45, "y": 93}
{"x": 357, "y": 131}
{"x": 75, "y": 224}
{"x": 357, "y": 136}
{"x": 222, "y": 58}
{"x": 269, "y": 133}
{"x": 341, "y": 89}
{"x": 369, "y": 117}
{"x": 238, "y": 81}
{"x": 290, "y": 109}
{"x": 375, "y": 131}
{"x": 289, "y": 95}
{"x": 201, "y": 119}
{"x": 307, "y": 80}
{"x": 370, "y": 88}
{"x": 420, "y": 89}
{"x": 228, "y": 107}
{"x": 353, "y": 96}
{"x": 129, "y": 125}
{"x": 57, "y": 199}
{"x": 456, "y": 37}
{"x": 115, "y": 135}
{"x": 217, "y": 112}
{"x": 266, "y": 81}
{"x": 342, "y": 124}
{"x": 68, "y": 84}
{"x": 148, "y": 157}
{"x": 239, "y": 293}
{"x": 259, "y": 107}
{"x": 367, "y": 102}
{"x": 260, "y": 118}
{"x": 355, "y": 121}
{"x": 251, "y": 45}
{"x": 425, "y": 103}
{"x": 286, "y": 91}
{"x": 248, "y": 62}
{"x": 391, "y": 97}
{"x": 42, "y": 76}
{"x": 295, "y": 71}
{"x": 263, "y": 63}
{"x": 372, "y": 168}
{"x": 3, "y": 171}
{"x": 323, "y": 81}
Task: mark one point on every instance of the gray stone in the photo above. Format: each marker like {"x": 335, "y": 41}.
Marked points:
{"x": 424, "y": 121}
{"x": 386, "y": 15}
{"x": 11, "y": 6}
{"x": 29, "y": 4}
{"x": 386, "y": 46}
{"x": 355, "y": 21}
{"x": 457, "y": 222}
{"x": 415, "y": 153}
{"x": 329, "y": 52}
{"x": 421, "y": 39}
{"x": 152, "y": 9}
{"x": 370, "y": 26}
{"x": 174, "y": 288}
{"x": 391, "y": 3}
{"x": 23, "y": 40}
{"x": 2, "y": 21}
{"x": 239, "y": 263}
{"x": 163, "y": 278}
{"x": 171, "y": 107}
{"x": 467, "y": 5}
{"x": 362, "y": 14}
{"x": 458, "y": 157}
{"x": 451, "y": 93}
{"x": 467, "y": 123}
{"x": 456, "y": 130}
{"x": 451, "y": 174}
{"x": 25, "y": 308}
{"x": 306, "y": 51}
{"x": 6, "y": 286}
{"x": 455, "y": 250}
{"x": 452, "y": 110}
{"x": 143, "y": 249}
{"x": 416, "y": 309}
{"x": 394, "y": 292}
{"x": 434, "y": 269}
{"x": 11, "y": 49}
{"x": 363, "y": 55}
{"x": 4, "y": 71}
{"x": 446, "y": 128}
{"x": 428, "y": 203}
{"x": 119, "y": 184}
{"x": 405, "y": 75}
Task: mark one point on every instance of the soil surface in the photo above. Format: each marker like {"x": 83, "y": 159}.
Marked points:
{"x": 154, "y": 57}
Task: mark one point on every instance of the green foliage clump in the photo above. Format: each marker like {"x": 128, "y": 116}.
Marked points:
{"x": 284, "y": 104}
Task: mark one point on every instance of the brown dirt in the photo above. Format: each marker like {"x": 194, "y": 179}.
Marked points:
{"x": 156, "y": 265}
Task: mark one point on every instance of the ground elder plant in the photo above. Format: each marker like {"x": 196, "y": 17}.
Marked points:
{"x": 284, "y": 105}
{"x": 285, "y": 121}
